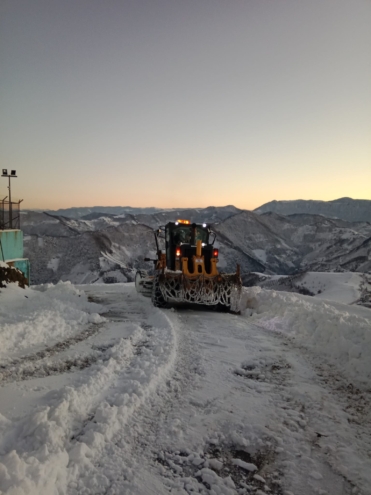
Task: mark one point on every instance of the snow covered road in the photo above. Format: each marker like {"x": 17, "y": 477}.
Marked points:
{"x": 144, "y": 401}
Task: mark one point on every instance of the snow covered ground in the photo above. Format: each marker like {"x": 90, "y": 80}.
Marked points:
{"x": 100, "y": 393}
{"x": 343, "y": 287}
{"x": 339, "y": 287}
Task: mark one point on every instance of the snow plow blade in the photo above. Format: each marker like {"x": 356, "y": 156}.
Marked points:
{"x": 222, "y": 291}
{"x": 143, "y": 283}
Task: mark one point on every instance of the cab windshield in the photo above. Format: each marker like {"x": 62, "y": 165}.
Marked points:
{"x": 182, "y": 234}
{"x": 186, "y": 234}
{"x": 201, "y": 235}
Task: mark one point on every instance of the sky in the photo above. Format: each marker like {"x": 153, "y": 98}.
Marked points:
{"x": 185, "y": 103}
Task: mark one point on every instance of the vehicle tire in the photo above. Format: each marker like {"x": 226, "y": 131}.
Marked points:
{"x": 158, "y": 299}
{"x": 139, "y": 276}
{"x": 222, "y": 308}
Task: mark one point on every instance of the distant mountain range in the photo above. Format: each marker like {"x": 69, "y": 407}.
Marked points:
{"x": 77, "y": 212}
{"x": 108, "y": 247}
{"x": 352, "y": 210}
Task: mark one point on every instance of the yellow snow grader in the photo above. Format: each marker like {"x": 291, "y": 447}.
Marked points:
{"x": 186, "y": 271}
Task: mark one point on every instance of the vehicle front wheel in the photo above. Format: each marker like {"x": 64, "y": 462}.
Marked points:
{"x": 158, "y": 299}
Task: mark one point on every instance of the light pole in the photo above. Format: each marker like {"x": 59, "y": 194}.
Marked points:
{"x": 13, "y": 173}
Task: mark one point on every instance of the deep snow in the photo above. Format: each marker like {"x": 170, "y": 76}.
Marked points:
{"x": 102, "y": 393}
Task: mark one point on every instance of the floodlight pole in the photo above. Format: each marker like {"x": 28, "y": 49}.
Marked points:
{"x": 12, "y": 174}
{"x": 2, "y": 223}
{"x": 10, "y": 206}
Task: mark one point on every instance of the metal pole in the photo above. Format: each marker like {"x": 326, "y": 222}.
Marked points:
{"x": 2, "y": 223}
{"x": 2, "y": 252}
{"x": 10, "y": 207}
{"x": 19, "y": 214}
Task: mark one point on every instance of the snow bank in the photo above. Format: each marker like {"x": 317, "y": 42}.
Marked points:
{"x": 54, "y": 448}
{"x": 33, "y": 316}
{"x": 340, "y": 333}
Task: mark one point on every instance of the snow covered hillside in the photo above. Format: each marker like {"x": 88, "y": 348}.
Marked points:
{"x": 102, "y": 393}
{"x": 344, "y": 287}
{"x": 106, "y": 248}
{"x": 103, "y": 248}
{"x": 109, "y": 210}
{"x": 300, "y": 242}
{"x": 352, "y": 210}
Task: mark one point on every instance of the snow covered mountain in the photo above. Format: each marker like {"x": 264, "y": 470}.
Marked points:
{"x": 352, "y": 210}
{"x": 89, "y": 213}
{"x": 59, "y": 251}
{"x": 111, "y": 210}
{"x": 300, "y": 242}
{"x": 106, "y": 248}
{"x": 109, "y": 248}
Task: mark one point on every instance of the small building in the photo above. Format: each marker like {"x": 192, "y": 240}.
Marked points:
{"x": 11, "y": 236}
{"x": 11, "y": 251}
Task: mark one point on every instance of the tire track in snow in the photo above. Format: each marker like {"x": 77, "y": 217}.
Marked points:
{"x": 137, "y": 348}
{"x": 110, "y": 431}
{"x": 284, "y": 446}
{"x": 137, "y": 440}
{"x": 186, "y": 372}
{"x": 317, "y": 414}
{"x": 152, "y": 359}
{"x": 31, "y": 366}
{"x": 214, "y": 468}
{"x": 38, "y": 364}
{"x": 147, "y": 429}
{"x": 341, "y": 423}
{"x": 74, "y": 412}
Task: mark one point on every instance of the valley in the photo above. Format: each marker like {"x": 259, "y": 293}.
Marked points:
{"x": 109, "y": 247}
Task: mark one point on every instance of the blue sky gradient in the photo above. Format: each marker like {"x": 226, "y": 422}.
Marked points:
{"x": 177, "y": 103}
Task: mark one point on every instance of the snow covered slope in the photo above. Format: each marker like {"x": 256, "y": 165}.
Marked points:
{"x": 332, "y": 245}
{"x": 253, "y": 235}
{"x": 338, "y": 287}
{"x": 339, "y": 333}
{"x": 106, "y": 255}
{"x": 103, "y": 248}
{"x": 344, "y": 287}
{"x": 30, "y": 319}
{"x": 143, "y": 401}
{"x": 110, "y": 248}
{"x": 110, "y": 210}
{"x": 300, "y": 242}
{"x": 352, "y": 210}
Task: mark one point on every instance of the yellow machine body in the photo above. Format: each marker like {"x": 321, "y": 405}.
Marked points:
{"x": 176, "y": 280}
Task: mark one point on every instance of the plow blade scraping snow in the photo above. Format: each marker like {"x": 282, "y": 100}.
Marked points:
{"x": 222, "y": 290}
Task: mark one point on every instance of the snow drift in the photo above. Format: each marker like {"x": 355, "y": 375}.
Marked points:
{"x": 30, "y": 317}
{"x": 339, "y": 333}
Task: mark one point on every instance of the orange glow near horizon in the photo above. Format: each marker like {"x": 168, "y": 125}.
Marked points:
{"x": 189, "y": 109}
{"x": 243, "y": 203}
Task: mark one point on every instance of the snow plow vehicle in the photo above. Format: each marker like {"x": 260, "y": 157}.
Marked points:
{"x": 186, "y": 271}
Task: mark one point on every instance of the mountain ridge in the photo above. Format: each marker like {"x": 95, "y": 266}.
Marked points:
{"x": 112, "y": 248}
{"x": 345, "y": 208}
{"x": 353, "y": 210}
